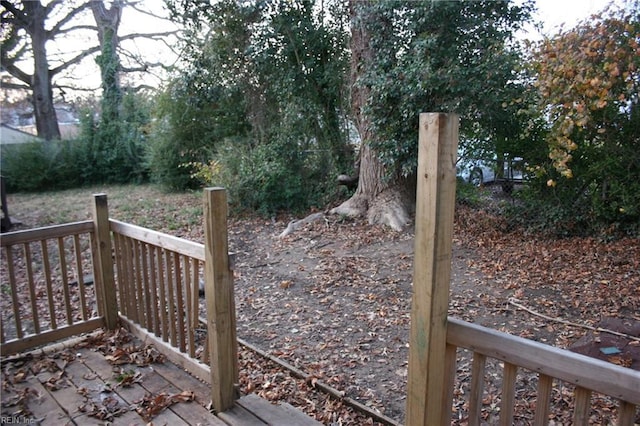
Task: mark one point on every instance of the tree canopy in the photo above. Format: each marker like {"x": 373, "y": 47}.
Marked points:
{"x": 588, "y": 79}
{"x": 265, "y": 80}
{"x": 457, "y": 57}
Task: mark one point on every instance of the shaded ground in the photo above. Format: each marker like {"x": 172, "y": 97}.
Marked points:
{"x": 333, "y": 299}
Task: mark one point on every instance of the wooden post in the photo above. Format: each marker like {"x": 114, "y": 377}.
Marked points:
{"x": 221, "y": 316}
{"x": 103, "y": 263}
{"x": 435, "y": 200}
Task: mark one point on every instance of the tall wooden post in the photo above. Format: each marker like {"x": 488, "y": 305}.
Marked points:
{"x": 435, "y": 200}
{"x": 103, "y": 263}
{"x": 221, "y": 315}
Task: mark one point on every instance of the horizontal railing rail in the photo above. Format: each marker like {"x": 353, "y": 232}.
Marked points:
{"x": 587, "y": 374}
{"x": 48, "y": 285}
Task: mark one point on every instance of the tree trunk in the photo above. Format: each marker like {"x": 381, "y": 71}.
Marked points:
{"x": 44, "y": 111}
{"x": 383, "y": 201}
{"x": 108, "y": 21}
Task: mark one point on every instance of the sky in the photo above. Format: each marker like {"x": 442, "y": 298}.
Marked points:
{"x": 554, "y": 13}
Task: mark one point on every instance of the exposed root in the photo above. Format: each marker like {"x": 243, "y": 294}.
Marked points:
{"x": 294, "y": 225}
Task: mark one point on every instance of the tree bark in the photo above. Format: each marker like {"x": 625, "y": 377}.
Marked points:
{"x": 44, "y": 111}
{"x": 382, "y": 201}
{"x": 108, "y": 21}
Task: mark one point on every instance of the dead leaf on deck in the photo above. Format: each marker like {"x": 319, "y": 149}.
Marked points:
{"x": 152, "y": 405}
{"x": 128, "y": 378}
{"x": 57, "y": 381}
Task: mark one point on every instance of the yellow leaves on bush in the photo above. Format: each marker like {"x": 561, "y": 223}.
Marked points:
{"x": 586, "y": 76}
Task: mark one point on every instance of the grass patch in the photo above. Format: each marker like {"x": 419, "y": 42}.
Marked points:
{"x": 144, "y": 205}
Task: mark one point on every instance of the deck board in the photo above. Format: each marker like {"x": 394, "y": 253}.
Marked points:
{"x": 90, "y": 374}
{"x": 281, "y": 414}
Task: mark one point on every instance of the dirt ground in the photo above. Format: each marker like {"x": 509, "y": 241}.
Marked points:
{"x": 333, "y": 298}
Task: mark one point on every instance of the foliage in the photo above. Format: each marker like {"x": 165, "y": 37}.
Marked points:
{"x": 98, "y": 155}
{"x": 467, "y": 193}
{"x": 589, "y": 80}
{"x": 441, "y": 56}
{"x": 266, "y": 84}
{"x": 114, "y": 151}
{"x": 268, "y": 178}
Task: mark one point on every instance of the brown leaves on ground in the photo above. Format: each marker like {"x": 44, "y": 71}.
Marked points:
{"x": 151, "y": 405}
{"x": 333, "y": 299}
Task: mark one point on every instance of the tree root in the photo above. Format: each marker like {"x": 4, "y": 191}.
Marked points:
{"x": 294, "y": 225}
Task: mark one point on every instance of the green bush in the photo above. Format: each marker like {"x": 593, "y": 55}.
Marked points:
{"x": 467, "y": 193}
{"x": 578, "y": 210}
{"x": 26, "y": 166}
{"x": 269, "y": 178}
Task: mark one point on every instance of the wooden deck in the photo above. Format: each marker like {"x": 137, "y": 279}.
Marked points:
{"x": 65, "y": 386}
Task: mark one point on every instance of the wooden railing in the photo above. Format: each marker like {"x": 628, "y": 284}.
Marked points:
{"x": 550, "y": 364}
{"x": 153, "y": 289}
{"x": 48, "y": 278}
{"x": 435, "y": 338}
{"x": 157, "y": 277}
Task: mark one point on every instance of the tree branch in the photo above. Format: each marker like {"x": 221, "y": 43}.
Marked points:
{"x": 78, "y": 27}
{"x": 75, "y": 60}
{"x": 14, "y": 86}
{"x": 58, "y": 26}
{"x": 149, "y": 35}
{"x": 16, "y": 72}
{"x": 17, "y": 14}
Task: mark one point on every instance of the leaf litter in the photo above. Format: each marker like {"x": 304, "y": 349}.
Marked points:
{"x": 333, "y": 300}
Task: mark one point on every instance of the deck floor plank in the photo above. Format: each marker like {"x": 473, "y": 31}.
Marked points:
{"x": 90, "y": 377}
{"x": 42, "y": 407}
{"x": 281, "y": 414}
{"x": 184, "y": 380}
{"x": 239, "y": 416}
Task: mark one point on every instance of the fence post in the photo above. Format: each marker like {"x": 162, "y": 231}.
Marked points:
{"x": 221, "y": 315}
{"x": 103, "y": 263}
{"x": 435, "y": 201}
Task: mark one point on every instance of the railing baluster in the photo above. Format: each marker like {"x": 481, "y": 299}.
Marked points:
{"x": 180, "y": 311}
{"x": 195, "y": 290}
{"x": 190, "y": 330}
{"x": 144, "y": 253}
{"x": 171, "y": 299}
{"x": 97, "y": 278}
{"x": 119, "y": 255}
{"x": 163, "y": 299}
{"x": 65, "y": 280}
{"x": 131, "y": 281}
{"x": 77, "y": 251}
{"x": 510, "y": 373}
{"x": 154, "y": 290}
{"x": 32, "y": 288}
{"x": 47, "y": 277}
{"x": 477, "y": 387}
{"x": 14, "y": 292}
{"x": 583, "y": 406}
{"x": 138, "y": 284}
{"x": 543, "y": 400}
{"x": 626, "y": 414}
{"x": 450, "y": 365}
